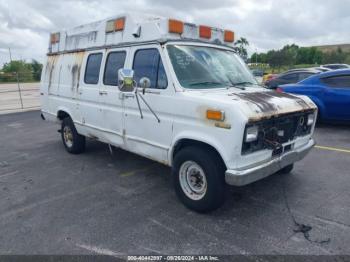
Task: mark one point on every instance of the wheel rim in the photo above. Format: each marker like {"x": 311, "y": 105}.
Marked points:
{"x": 68, "y": 136}
{"x": 193, "y": 180}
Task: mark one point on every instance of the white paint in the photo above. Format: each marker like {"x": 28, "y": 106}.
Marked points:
{"x": 163, "y": 226}
{"x": 100, "y": 251}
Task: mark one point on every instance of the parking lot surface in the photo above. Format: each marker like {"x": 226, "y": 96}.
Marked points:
{"x": 52, "y": 202}
{"x": 10, "y": 97}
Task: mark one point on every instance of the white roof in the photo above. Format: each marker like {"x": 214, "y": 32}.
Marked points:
{"x": 137, "y": 28}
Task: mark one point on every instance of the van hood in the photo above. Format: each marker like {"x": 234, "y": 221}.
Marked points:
{"x": 259, "y": 103}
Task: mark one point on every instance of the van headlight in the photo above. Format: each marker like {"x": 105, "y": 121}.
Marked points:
{"x": 310, "y": 119}
{"x": 251, "y": 134}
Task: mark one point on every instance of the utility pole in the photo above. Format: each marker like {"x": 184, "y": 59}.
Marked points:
{"x": 17, "y": 78}
{"x": 10, "y": 54}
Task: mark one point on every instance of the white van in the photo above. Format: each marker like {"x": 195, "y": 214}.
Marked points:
{"x": 176, "y": 93}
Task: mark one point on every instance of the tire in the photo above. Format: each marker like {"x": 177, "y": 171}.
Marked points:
{"x": 287, "y": 169}
{"x": 72, "y": 141}
{"x": 199, "y": 161}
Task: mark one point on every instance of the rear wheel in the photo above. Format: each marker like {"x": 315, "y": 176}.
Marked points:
{"x": 198, "y": 176}
{"x": 72, "y": 141}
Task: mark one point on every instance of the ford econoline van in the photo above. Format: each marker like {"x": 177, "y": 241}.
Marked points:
{"x": 176, "y": 93}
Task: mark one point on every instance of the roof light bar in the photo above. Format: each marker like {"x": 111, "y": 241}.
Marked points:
{"x": 204, "y": 31}
{"x": 229, "y": 36}
{"x": 176, "y": 26}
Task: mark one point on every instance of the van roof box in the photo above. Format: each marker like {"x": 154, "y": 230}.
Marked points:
{"x": 133, "y": 28}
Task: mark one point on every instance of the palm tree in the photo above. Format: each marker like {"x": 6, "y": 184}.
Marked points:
{"x": 242, "y": 42}
{"x": 241, "y": 45}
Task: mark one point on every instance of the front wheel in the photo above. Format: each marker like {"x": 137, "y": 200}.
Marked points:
{"x": 198, "y": 176}
{"x": 72, "y": 141}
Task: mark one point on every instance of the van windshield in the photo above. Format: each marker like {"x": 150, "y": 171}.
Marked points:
{"x": 200, "y": 67}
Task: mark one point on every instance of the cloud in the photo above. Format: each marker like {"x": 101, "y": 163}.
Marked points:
{"x": 25, "y": 24}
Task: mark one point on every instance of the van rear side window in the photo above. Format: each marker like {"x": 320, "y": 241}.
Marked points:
{"x": 92, "y": 70}
{"x": 115, "y": 61}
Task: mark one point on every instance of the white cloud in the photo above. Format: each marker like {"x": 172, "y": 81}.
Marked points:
{"x": 25, "y": 24}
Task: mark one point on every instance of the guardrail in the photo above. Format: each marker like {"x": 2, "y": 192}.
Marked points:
{"x": 18, "y": 92}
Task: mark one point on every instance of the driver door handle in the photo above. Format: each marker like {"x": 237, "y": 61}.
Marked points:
{"x": 103, "y": 93}
{"x": 127, "y": 95}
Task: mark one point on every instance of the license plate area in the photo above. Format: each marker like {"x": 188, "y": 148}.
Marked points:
{"x": 281, "y": 150}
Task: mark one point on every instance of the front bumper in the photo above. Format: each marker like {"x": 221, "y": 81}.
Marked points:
{"x": 243, "y": 177}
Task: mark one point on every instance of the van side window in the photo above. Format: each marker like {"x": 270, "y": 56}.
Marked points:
{"x": 148, "y": 63}
{"x": 115, "y": 61}
{"x": 92, "y": 70}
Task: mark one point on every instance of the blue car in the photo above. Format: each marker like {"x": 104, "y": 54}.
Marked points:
{"x": 330, "y": 91}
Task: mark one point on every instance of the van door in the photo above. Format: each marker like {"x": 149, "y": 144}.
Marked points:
{"x": 112, "y": 102}
{"x": 148, "y": 136}
{"x": 89, "y": 115}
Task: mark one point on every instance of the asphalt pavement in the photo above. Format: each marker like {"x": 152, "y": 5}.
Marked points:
{"x": 52, "y": 202}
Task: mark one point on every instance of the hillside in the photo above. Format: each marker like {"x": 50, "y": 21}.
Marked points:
{"x": 330, "y": 48}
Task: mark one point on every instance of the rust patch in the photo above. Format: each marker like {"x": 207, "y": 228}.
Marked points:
{"x": 50, "y": 66}
{"x": 261, "y": 100}
{"x": 75, "y": 70}
{"x": 78, "y": 59}
{"x": 300, "y": 101}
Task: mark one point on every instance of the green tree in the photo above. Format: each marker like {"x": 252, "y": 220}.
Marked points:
{"x": 21, "y": 68}
{"x": 27, "y": 72}
{"x": 241, "y": 47}
{"x": 37, "y": 68}
{"x": 337, "y": 56}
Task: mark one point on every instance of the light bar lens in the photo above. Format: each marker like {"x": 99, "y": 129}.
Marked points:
{"x": 205, "y": 31}
{"x": 176, "y": 26}
{"x": 119, "y": 24}
{"x": 229, "y": 36}
{"x": 55, "y": 38}
{"x": 115, "y": 25}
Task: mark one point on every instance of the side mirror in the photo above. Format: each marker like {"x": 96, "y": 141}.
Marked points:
{"x": 126, "y": 82}
{"x": 145, "y": 82}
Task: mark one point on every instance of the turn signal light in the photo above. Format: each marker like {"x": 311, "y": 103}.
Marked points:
{"x": 176, "y": 26}
{"x": 205, "y": 31}
{"x": 229, "y": 36}
{"x": 215, "y": 115}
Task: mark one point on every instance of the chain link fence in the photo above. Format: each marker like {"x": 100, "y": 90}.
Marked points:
{"x": 18, "y": 93}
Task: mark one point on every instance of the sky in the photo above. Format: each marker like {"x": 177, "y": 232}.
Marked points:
{"x": 267, "y": 24}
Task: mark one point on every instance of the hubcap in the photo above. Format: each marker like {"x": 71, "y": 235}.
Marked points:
{"x": 192, "y": 180}
{"x": 68, "y": 136}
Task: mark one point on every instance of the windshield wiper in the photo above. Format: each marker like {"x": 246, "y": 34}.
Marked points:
{"x": 240, "y": 85}
{"x": 206, "y": 83}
